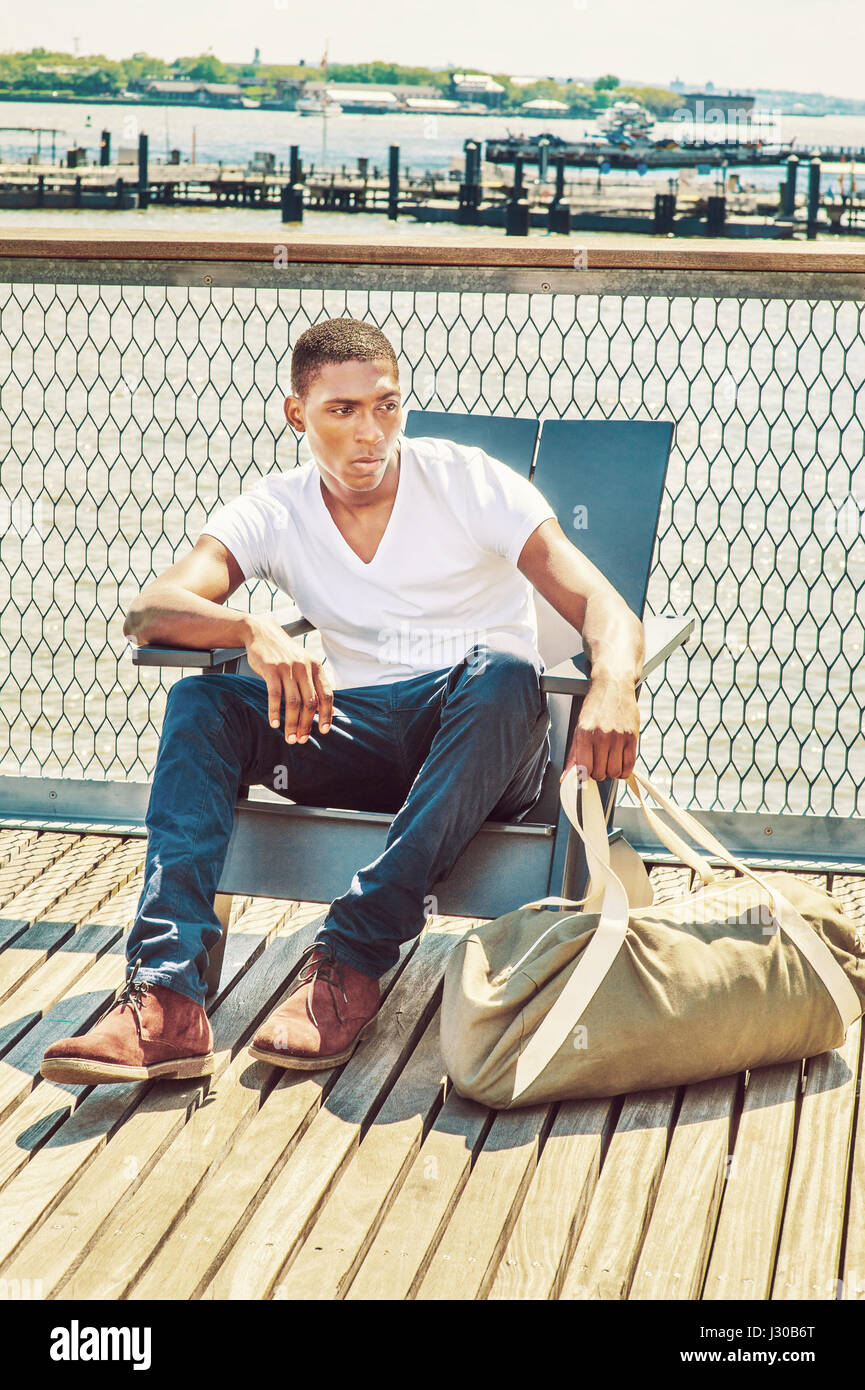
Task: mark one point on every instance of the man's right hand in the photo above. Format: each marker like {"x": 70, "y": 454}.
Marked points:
{"x": 290, "y": 672}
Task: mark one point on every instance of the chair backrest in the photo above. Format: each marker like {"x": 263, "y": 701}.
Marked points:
{"x": 603, "y": 478}
{"x": 509, "y": 438}
{"x": 605, "y": 481}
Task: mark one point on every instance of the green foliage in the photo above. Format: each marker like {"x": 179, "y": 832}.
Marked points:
{"x": 378, "y": 71}
{"x": 658, "y": 100}
{"x": 204, "y": 68}
{"x": 141, "y": 66}
{"x": 606, "y": 83}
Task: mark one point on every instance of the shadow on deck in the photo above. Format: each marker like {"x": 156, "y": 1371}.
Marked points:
{"x": 375, "y": 1180}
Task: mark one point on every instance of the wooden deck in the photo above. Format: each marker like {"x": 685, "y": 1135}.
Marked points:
{"x": 376, "y": 1180}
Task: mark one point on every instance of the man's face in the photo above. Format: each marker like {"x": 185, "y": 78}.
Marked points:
{"x": 352, "y": 416}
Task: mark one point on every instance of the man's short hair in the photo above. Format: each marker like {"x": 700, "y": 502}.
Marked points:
{"x": 336, "y": 340}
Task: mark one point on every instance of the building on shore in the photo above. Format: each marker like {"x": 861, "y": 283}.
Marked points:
{"x": 197, "y": 93}
{"x": 545, "y": 106}
{"x": 711, "y": 104}
{"x": 359, "y": 101}
{"x": 477, "y": 86}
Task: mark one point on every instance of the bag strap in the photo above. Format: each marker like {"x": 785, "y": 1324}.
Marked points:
{"x": 601, "y": 950}
{"x": 606, "y": 941}
{"x": 809, "y": 943}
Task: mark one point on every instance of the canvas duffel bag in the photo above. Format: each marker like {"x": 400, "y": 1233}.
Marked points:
{"x": 544, "y": 1004}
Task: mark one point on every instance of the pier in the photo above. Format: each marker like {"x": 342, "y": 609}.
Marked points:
{"x": 146, "y": 361}
{"x": 499, "y": 196}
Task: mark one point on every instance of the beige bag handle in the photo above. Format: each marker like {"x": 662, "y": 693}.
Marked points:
{"x": 601, "y": 951}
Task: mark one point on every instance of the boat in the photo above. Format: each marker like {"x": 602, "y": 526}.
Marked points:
{"x": 318, "y": 106}
{"x": 619, "y": 150}
{"x": 625, "y": 119}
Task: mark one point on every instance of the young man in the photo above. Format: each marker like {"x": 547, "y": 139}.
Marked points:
{"x": 415, "y": 560}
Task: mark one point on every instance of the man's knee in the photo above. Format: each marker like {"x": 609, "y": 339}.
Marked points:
{"x": 501, "y": 665}
{"x": 199, "y": 699}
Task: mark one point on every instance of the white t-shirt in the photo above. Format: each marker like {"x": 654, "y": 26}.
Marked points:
{"x": 443, "y": 578}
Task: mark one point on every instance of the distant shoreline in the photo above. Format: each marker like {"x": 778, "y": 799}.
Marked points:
{"x": 71, "y": 99}
{"x": 143, "y": 101}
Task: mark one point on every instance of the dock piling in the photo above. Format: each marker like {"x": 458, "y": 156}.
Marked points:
{"x": 143, "y": 182}
{"x": 470, "y": 188}
{"x": 559, "y": 214}
{"x": 665, "y": 211}
{"x": 517, "y": 217}
{"x": 790, "y": 186}
{"x": 291, "y": 202}
{"x": 393, "y": 184}
{"x": 105, "y": 148}
{"x": 716, "y": 215}
{"x": 559, "y": 217}
{"x": 814, "y": 169}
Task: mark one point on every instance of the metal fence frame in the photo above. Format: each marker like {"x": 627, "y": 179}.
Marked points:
{"x": 472, "y": 268}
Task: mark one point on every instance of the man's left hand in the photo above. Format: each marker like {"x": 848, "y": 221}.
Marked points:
{"x": 608, "y": 726}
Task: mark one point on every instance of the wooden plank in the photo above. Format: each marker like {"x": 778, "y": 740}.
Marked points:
{"x": 338, "y": 1241}
{"x": 108, "y": 873}
{"x": 28, "y": 867}
{"x": 103, "y": 1257}
{"x": 752, "y": 1203}
{"x": 810, "y": 1247}
{"x": 38, "y": 898}
{"x": 102, "y": 865}
{"x": 191, "y": 1253}
{"x": 392, "y": 249}
{"x": 399, "y": 1256}
{"x": 41, "y": 1113}
{"x": 850, "y": 891}
{"x": 13, "y": 842}
{"x": 19, "y": 1069}
{"x": 158, "y": 1109}
{"x": 125, "y": 1246}
{"x": 552, "y": 1216}
{"x": 256, "y": 1261}
{"x": 464, "y": 1263}
{"x": 672, "y": 1262}
{"x": 609, "y": 1245}
{"x": 669, "y": 881}
{"x": 52, "y": 982}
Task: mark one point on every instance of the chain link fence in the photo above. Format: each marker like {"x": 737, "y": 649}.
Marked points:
{"x": 129, "y": 412}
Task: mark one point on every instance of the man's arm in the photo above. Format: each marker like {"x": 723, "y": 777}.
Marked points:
{"x": 605, "y": 739}
{"x": 183, "y": 608}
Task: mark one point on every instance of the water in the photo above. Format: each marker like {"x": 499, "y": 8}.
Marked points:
{"x": 428, "y": 143}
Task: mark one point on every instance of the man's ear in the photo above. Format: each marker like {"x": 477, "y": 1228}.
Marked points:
{"x": 294, "y": 413}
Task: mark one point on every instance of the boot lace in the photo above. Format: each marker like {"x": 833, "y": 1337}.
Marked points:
{"x": 131, "y": 996}
{"x": 328, "y": 970}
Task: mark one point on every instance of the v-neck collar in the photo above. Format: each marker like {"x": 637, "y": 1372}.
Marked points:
{"x": 329, "y": 521}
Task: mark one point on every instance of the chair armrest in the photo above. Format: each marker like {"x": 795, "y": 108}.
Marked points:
{"x": 664, "y": 632}
{"x": 207, "y": 657}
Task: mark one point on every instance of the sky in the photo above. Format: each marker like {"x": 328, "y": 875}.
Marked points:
{"x": 795, "y": 45}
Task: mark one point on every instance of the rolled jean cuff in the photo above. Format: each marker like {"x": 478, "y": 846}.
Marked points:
{"x": 171, "y": 981}
{"x": 348, "y": 957}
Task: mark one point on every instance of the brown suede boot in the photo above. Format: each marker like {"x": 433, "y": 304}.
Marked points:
{"x": 330, "y": 1007}
{"x": 149, "y": 1031}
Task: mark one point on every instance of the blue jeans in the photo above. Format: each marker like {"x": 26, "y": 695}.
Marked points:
{"x": 445, "y": 750}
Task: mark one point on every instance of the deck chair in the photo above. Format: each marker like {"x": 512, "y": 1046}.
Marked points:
{"x": 605, "y": 481}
